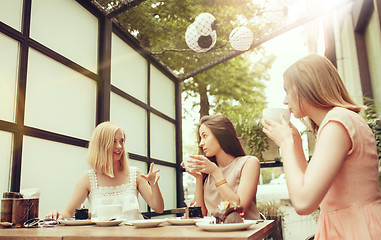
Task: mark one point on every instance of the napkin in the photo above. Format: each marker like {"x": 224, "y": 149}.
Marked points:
{"x": 30, "y": 193}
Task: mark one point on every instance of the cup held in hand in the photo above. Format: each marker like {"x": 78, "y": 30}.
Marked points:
{"x": 187, "y": 163}
{"x": 275, "y": 114}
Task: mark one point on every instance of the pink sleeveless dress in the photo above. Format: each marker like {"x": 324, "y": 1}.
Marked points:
{"x": 232, "y": 174}
{"x": 351, "y": 209}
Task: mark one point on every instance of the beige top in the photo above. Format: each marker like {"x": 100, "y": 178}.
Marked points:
{"x": 232, "y": 174}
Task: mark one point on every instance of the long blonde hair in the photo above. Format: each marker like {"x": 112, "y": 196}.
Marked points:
{"x": 315, "y": 79}
{"x": 100, "y": 155}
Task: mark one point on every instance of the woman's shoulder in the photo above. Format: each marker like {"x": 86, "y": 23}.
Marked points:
{"x": 342, "y": 113}
{"x": 249, "y": 160}
{"x": 345, "y": 116}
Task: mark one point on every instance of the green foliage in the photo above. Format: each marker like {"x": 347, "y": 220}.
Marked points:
{"x": 272, "y": 211}
{"x": 268, "y": 173}
{"x": 235, "y": 87}
{"x": 374, "y": 122}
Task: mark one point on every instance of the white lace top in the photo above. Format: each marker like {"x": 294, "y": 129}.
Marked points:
{"x": 125, "y": 194}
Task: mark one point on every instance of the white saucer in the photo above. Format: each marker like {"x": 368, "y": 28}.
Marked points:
{"x": 181, "y": 221}
{"x": 147, "y": 223}
{"x": 75, "y": 222}
{"x": 107, "y": 223}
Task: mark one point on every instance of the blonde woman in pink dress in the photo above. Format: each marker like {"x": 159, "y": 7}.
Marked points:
{"x": 224, "y": 172}
{"x": 342, "y": 175}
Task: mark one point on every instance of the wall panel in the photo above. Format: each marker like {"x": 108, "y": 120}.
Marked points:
{"x": 65, "y": 27}
{"x": 133, "y": 119}
{"x": 128, "y": 69}
{"x": 59, "y": 99}
{"x": 54, "y": 168}
{"x": 9, "y": 57}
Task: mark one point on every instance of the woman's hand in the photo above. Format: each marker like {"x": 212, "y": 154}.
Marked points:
{"x": 152, "y": 177}
{"x": 191, "y": 170}
{"x": 202, "y": 164}
{"x": 281, "y": 133}
{"x": 53, "y": 214}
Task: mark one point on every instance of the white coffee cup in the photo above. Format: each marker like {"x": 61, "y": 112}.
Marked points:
{"x": 108, "y": 212}
{"x": 187, "y": 163}
{"x": 275, "y": 114}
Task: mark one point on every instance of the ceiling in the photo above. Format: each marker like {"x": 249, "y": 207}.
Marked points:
{"x": 161, "y": 27}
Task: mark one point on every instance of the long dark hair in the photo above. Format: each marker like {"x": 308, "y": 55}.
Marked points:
{"x": 222, "y": 128}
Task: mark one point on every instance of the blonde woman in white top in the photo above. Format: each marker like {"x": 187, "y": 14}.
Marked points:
{"x": 111, "y": 180}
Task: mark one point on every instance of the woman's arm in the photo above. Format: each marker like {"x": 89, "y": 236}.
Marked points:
{"x": 247, "y": 188}
{"x": 307, "y": 189}
{"x": 308, "y": 183}
{"x": 199, "y": 194}
{"x": 249, "y": 180}
{"x": 151, "y": 192}
{"x": 80, "y": 193}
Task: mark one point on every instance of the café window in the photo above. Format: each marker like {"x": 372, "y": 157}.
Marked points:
{"x": 76, "y": 72}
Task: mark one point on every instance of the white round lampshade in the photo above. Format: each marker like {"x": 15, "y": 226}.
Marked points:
{"x": 241, "y": 38}
{"x": 198, "y": 42}
{"x": 205, "y": 23}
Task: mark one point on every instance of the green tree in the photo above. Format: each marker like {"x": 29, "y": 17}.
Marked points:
{"x": 235, "y": 87}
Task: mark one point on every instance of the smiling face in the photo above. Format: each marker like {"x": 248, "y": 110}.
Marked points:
{"x": 118, "y": 148}
{"x": 208, "y": 142}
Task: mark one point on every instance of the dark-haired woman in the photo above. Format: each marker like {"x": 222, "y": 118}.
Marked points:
{"x": 223, "y": 172}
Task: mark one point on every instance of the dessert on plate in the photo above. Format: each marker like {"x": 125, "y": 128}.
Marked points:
{"x": 229, "y": 212}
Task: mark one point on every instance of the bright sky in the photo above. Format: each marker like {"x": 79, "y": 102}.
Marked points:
{"x": 287, "y": 48}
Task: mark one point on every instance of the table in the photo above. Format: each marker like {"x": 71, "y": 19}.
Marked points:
{"x": 125, "y": 232}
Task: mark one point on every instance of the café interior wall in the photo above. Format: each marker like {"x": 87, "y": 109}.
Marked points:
{"x": 373, "y": 47}
{"x": 346, "y": 56}
{"x": 62, "y": 100}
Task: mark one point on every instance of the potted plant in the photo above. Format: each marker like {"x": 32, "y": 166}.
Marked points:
{"x": 271, "y": 210}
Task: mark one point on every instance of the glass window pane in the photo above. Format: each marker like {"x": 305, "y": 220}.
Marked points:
{"x": 163, "y": 139}
{"x": 59, "y": 99}
{"x": 5, "y": 159}
{"x": 67, "y": 28}
{"x": 9, "y": 56}
{"x": 133, "y": 119}
{"x": 11, "y": 13}
{"x": 162, "y": 93}
{"x": 143, "y": 167}
{"x": 167, "y": 184}
{"x": 54, "y": 168}
{"x": 128, "y": 69}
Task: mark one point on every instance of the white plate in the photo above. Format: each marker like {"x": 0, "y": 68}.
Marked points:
{"x": 147, "y": 223}
{"x": 75, "y": 222}
{"x": 225, "y": 227}
{"x": 181, "y": 221}
{"x": 107, "y": 223}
